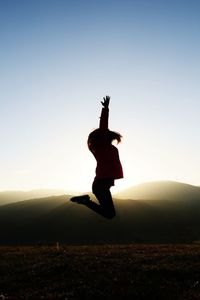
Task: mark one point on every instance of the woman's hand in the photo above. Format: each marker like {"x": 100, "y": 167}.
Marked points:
{"x": 106, "y": 101}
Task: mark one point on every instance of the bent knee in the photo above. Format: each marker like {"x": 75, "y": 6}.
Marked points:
{"x": 110, "y": 216}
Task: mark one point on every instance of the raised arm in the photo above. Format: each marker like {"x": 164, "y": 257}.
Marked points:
{"x": 103, "y": 124}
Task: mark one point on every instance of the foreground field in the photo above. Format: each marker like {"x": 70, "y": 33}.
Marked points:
{"x": 100, "y": 272}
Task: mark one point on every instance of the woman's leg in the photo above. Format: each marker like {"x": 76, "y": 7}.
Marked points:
{"x": 101, "y": 189}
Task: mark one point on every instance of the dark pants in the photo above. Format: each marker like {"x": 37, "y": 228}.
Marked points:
{"x": 101, "y": 189}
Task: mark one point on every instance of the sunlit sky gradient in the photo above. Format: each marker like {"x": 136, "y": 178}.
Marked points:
{"x": 59, "y": 58}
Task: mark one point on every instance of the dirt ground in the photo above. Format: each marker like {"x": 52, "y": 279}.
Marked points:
{"x": 135, "y": 271}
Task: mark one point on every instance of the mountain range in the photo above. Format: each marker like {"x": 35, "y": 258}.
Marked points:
{"x": 157, "y": 212}
{"x": 161, "y": 190}
{"x": 7, "y": 197}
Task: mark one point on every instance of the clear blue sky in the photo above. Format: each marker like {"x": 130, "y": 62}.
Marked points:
{"x": 59, "y": 58}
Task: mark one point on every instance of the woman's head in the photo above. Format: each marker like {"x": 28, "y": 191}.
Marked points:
{"x": 98, "y": 136}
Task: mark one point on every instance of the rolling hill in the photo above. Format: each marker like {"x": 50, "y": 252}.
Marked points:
{"x": 161, "y": 190}
{"x": 52, "y": 219}
{"x": 15, "y": 196}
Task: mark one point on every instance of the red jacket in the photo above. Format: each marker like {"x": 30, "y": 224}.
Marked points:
{"x": 106, "y": 155}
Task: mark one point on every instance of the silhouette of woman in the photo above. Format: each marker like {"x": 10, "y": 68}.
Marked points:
{"x": 108, "y": 165}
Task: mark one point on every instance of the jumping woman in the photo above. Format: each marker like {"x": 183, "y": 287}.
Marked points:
{"x": 108, "y": 165}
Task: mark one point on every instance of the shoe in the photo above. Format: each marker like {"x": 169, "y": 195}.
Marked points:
{"x": 84, "y": 199}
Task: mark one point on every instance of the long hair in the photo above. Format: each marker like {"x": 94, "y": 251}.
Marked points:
{"x": 98, "y": 136}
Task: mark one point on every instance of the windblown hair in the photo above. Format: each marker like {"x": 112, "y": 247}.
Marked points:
{"x": 97, "y": 136}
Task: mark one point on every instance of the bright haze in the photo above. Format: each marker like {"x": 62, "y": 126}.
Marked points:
{"x": 59, "y": 58}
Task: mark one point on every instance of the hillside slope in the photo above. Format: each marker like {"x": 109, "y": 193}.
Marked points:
{"x": 165, "y": 190}
{"x": 15, "y": 196}
{"x": 52, "y": 219}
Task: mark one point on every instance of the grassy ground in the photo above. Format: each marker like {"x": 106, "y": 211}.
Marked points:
{"x": 100, "y": 272}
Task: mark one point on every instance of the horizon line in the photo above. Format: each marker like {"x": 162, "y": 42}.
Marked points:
{"x": 75, "y": 191}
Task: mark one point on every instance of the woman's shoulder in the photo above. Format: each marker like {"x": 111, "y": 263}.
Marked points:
{"x": 113, "y": 149}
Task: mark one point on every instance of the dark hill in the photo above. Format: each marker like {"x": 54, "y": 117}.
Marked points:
{"x": 52, "y": 219}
